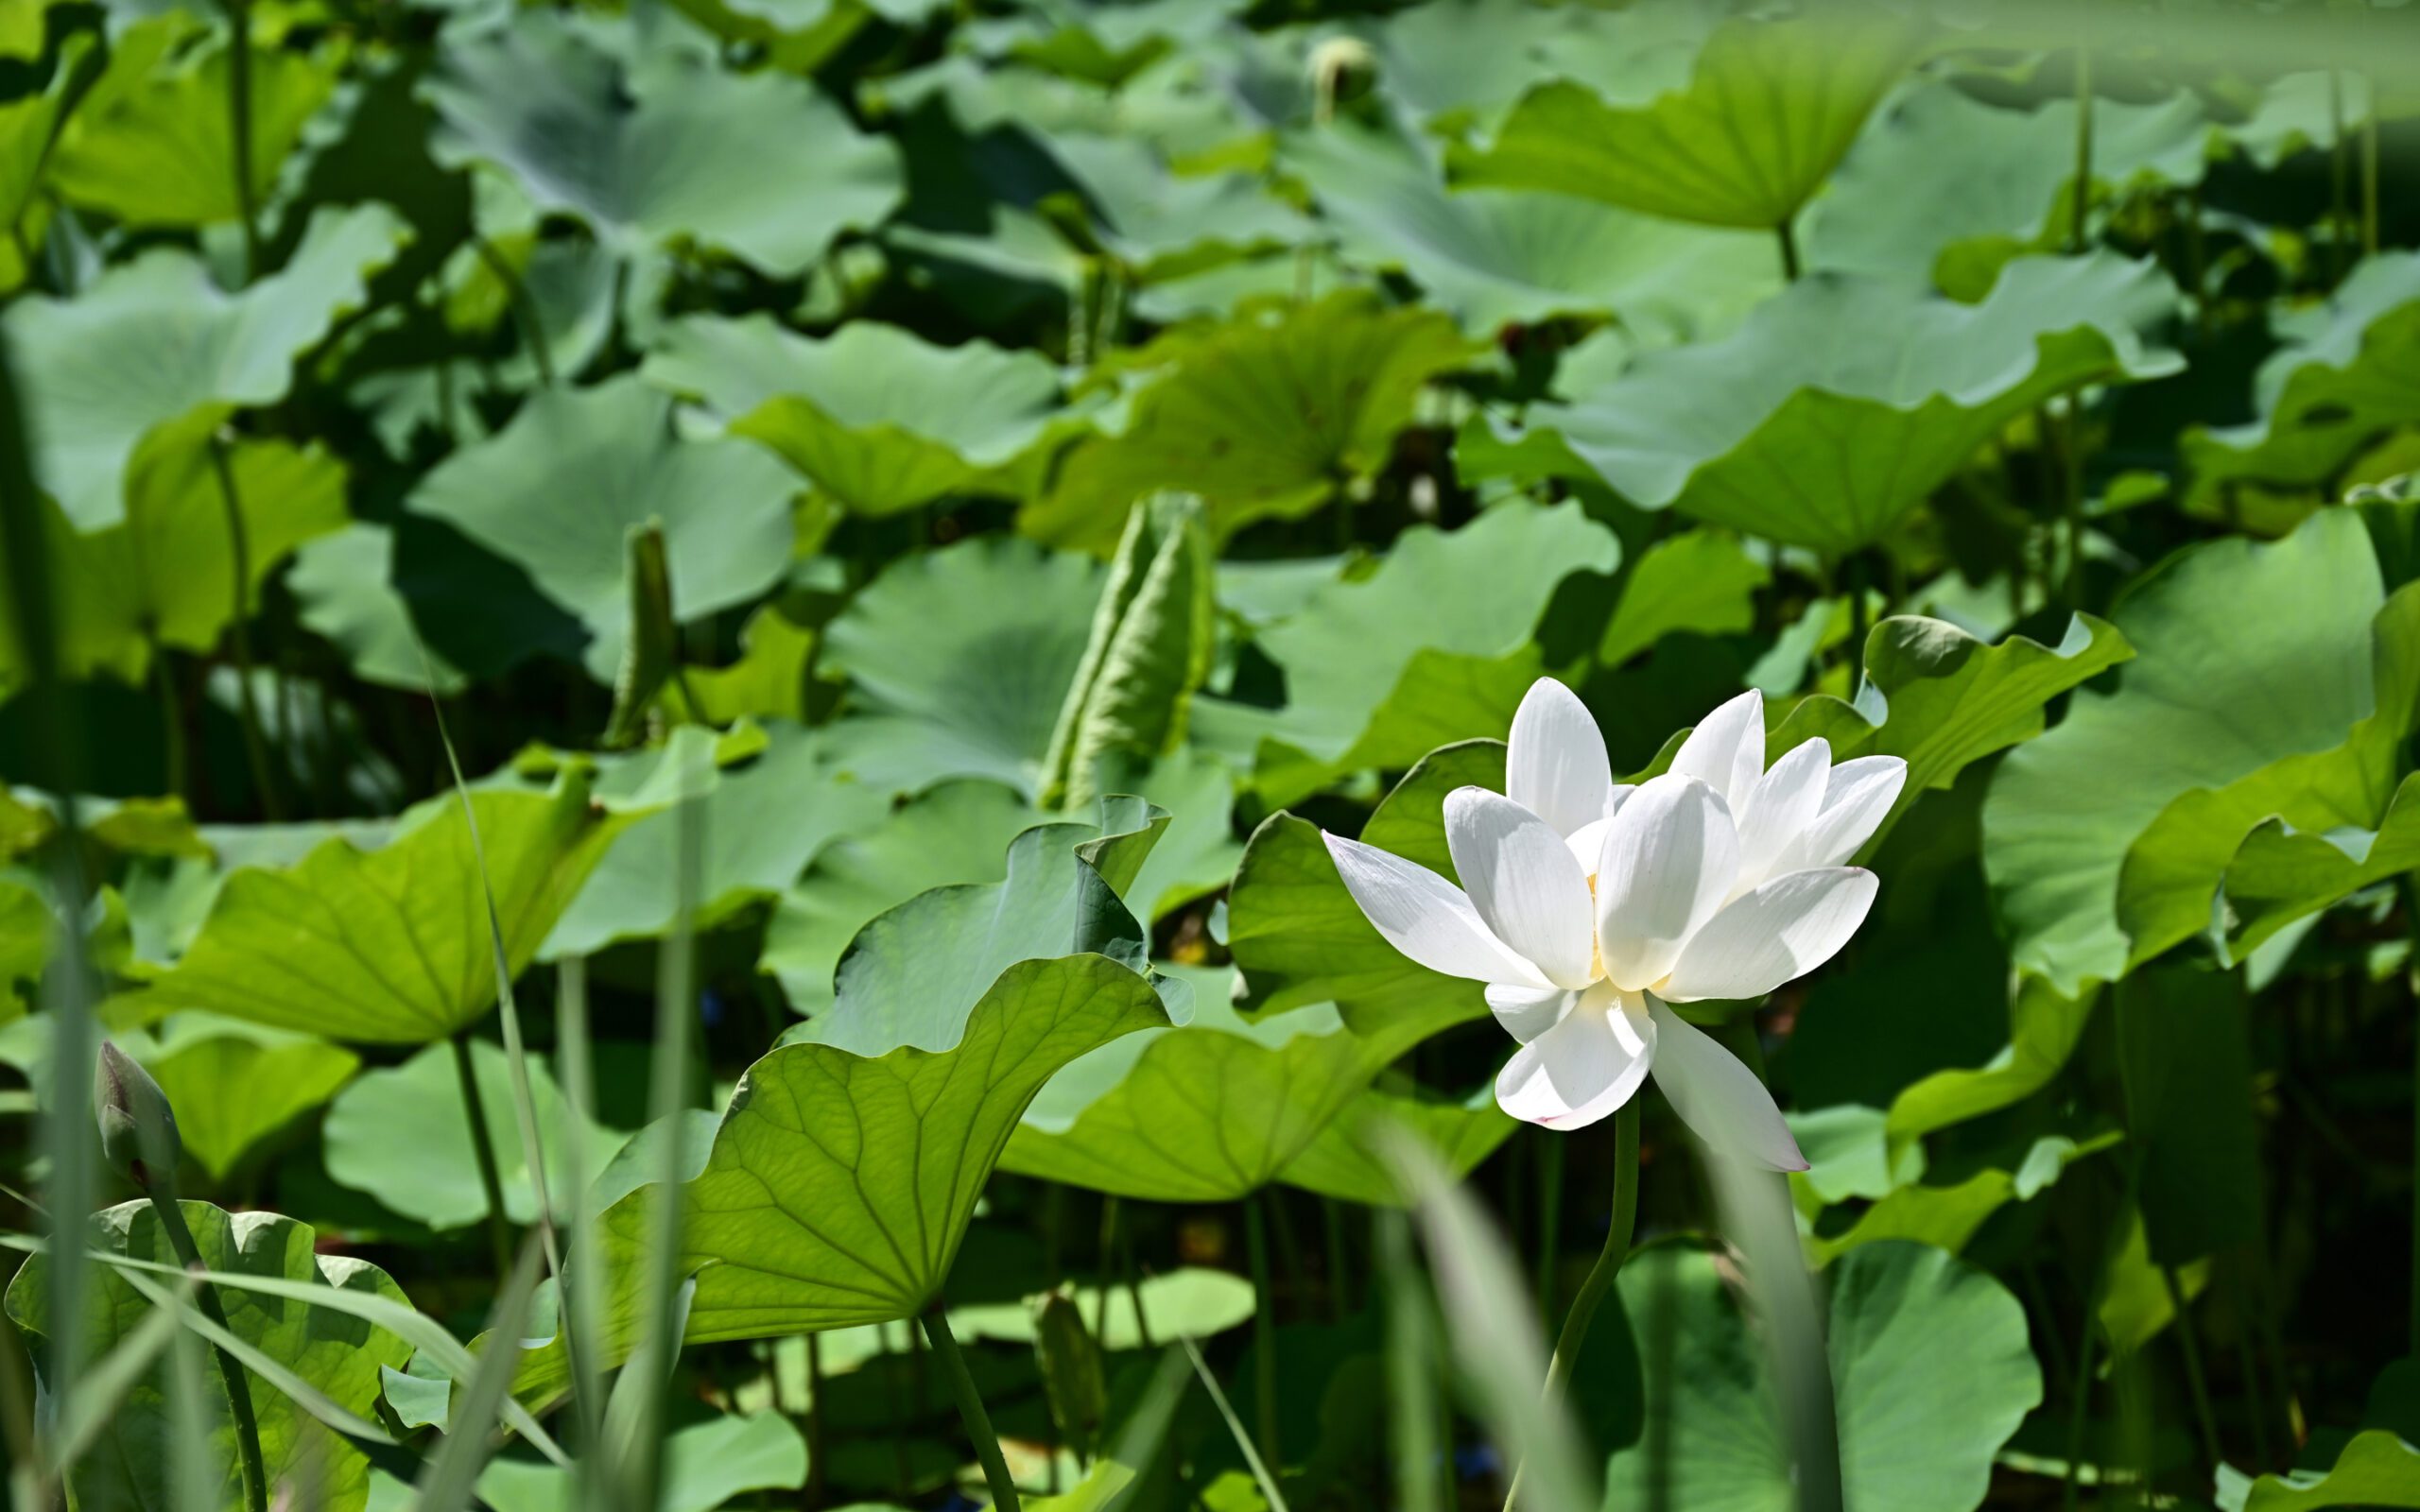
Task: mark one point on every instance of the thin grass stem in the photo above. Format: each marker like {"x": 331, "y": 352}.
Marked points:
{"x": 475, "y": 1114}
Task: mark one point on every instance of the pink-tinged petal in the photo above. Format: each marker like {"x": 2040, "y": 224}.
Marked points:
{"x": 1726, "y": 751}
{"x": 1525, "y": 883}
{"x": 1425, "y": 916}
{"x": 1773, "y": 934}
{"x": 1783, "y": 803}
{"x": 1669, "y": 858}
{"x": 1582, "y": 1068}
{"x": 1721, "y": 1100}
{"x": 1554, "y": 762}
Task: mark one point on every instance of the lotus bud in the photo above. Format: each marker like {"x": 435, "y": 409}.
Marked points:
{"x": 138, "y": 1128}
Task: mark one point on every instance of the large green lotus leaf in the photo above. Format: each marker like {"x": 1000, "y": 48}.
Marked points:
{"x": 1932, "y": 1372}
{"x": 1841, "y": 405}
{"x": 154, "y": 343}
{"x": 402, "y": 1135}
{"x": 1941, "y": 168}
{"x": 1268, "y": 415}
{"x": 1435, "y": 645}
{"x": 1344, "y": 1161}
{"x": 160, "y": 150}
{"x": 1453, "y": 61}
{"x": 1209, "y": 1111}
{"x": 336, "y": 1353}
{"x": 706, "y": 1465}
{"x": 1161, "y": 225}
{"x": 762, "y": 823}
{"x": 1497, "y": 257}
{"x": 390, "y": 946}
{"x": 1697, "y": 582}
{"x": 2376, "y": 1469}
{"x": 1197, "y": 855}
{"x": 558, "y": 491}
{"x": 2215, "y": 696}
{"x": 1941, "y": 701}
{"x": 1949, "y": 1216}
{"x": 839, "y": 1185}
{"x": 1770, "y": 109}
{"x": 2174, "y": 869}
{"x": 1301, "y": 941}
{"x": 956, "y": 834}
{"x": 666, "y": 149}
{"x": 344, "y": 588}
{"x": 2343, "y": 373}
{"x": 2281, "y": 874}
{"x": 165, "y": 574}
{"x": 960, "y": 661}
{"x": 235, "y": 1084}
{"x": 1189, "y": 1302}
{"x": 913, "y": 973}
{"x": 1149, "y": 649}
{"x": 878, "y": 418}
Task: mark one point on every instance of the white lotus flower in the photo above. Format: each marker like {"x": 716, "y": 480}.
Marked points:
{"x": 1591, "y": 907}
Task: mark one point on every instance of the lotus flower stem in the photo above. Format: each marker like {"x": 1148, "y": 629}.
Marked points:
{"x": 1550, "y": 1223}
{"x": 239, "y": 638}
{"x": 483, "y": 1149}
{"x": 230, "y": 1375}
{"x": 2191, "y": 1345}
{"x": 1788, "y": 240}
{"x": 970, "y": 1409}
{"x": 1600, "y": 1276}
{"x": 1264, "y": 1329}
{"x": 239, "y": 120}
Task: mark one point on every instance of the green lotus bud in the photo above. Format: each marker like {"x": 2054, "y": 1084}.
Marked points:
{"x": 138, "y": 1128}
{"x": 1071, "y": 1369}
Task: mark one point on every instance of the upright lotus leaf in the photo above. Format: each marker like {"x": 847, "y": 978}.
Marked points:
{"x": 1343, "y": 1161}
{"x": 2215, "y": 699}
{"x": 558, "y": 489}
{"x": 900, "y": 983}
{"x": 402, "y": 1135}
{"x": 335, "y": 1352}
{"x": 1701, "y": 582}
{"x": 1931, "y": 1373}
{"x": 2344, "y": 373}
{"x": 165, "y": 574}
{"x": 1436, "y": 645}
{"x": 2374, "y": 1468}
{"x": 961, "y": 659}
{"x": 2044, "y": 1027}
{"x": 345, "y": 589}
{"x": 651, "y": 648}
{"x": 1841, "y": 405}
{"x": 1268, "y": 415}
{"x": 1941, "y": 701}
{"x": 156, "y": 145}
{"x": 153, "y": 344}
{"x": 1212, "y": 1109}
{"x": 1451, "y": 62}
{"x": 235, "y": 1084}
{"x": 1149, "y": 649}
{"x": 30, "y": 125}
{"x": 839, "y": 1185}
{"x": 1943, "y": 179}
{"x": 880, "y": 419}
{"x": 1301, "y": 941}
{"x": 763, "y": 821}
{"x": 1161, "y": 225}
{"x": 667, "y": 149}
{"x": 1770, "y": 109}
{"x": 956, "y": 834}
{"x": 390, "y": 946}
{"x": 1497, "y": 257}
{"x": 2281, "y": 874}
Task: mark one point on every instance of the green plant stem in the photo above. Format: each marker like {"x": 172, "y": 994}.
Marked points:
{"x": 2081, "y": 210}
{"x": 1109, "y": 1211}
{"x": 172, "y": 721}
{"x": 1264, "y": 1329}
{"x": 2079, "y": 1411}
{"x": 239, "y": 120}
{"x": 483, "y": 1148}
{"x": 2071, "y": 496}
{"x": 2196, "y": 1383}
{"x": 970, "y": 1408}
{"x": 2340, "y": 210}
{"x": 525, "y": 310}
{"x": 2370, "y": 176}
{"x": 231, "y": 1374}
{"x": 1339, "y": 1295}
{"x": 1789, "y": 239}
{"x": 1550, "y": 1223}
{"x": 815, "y": 1436}
{"x": 1412, "y": 1418}
{"x": 1600, "y": 1276}
{"x": 2412, "y": 980}
{"x": 239, "y": 638}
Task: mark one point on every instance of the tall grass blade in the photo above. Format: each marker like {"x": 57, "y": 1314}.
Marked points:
{"x": 193, "y": 1468}
{"x": 1758, "y": 1221}
{"x": 576, "y": 1297}
{"x": 1268, "y": 1483}
{"x": 100, "y": 1390}
{"x": 446, "y": 1485}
